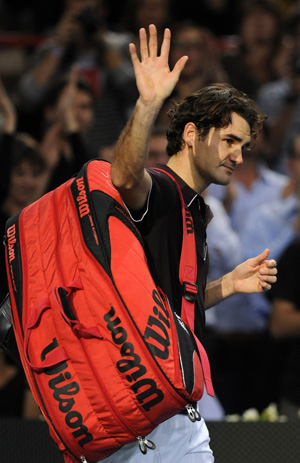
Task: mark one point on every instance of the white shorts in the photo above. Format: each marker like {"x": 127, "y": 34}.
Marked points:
{"x": 177, "y": 440}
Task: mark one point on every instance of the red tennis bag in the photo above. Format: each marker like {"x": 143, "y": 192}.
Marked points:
{"x": 105, "y": 356}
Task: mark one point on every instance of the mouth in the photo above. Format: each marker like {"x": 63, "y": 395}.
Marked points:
{"x": 229, "y": 169}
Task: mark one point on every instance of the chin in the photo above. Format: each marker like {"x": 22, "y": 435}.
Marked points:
{"x": 223, "y": 181}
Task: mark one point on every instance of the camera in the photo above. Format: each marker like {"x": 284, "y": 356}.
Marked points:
{"x": 89, "y": 21}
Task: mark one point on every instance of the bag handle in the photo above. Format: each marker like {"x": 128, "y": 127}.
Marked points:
{"x": 188, "y": 278}
{"x": 54, "y": 357}
{"x": 61, "y": 296}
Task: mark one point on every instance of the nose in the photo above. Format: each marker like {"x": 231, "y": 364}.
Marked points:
{"x": 237, "y": 156}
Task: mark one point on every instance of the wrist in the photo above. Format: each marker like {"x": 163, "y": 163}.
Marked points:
{"x": 228, "y": 285}
{"x": 147, "y": 111}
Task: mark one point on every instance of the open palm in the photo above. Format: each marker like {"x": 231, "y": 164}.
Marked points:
{"x": 155, "y": 80}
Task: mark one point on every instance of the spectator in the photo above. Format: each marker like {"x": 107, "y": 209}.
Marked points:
{"x": 280, "y": 100}
{"x": 79, "y": 40}
{"x": 203, "y": 66}
{"x": 69, "y": 112}
{"x": 23, "y": 172}
{"x": 253, "y": 63}
{"x": 276, "y": 222}
{"x": 238, "y": 341}
{"x": 141, "y": 13}
{"x": 27, "y": 178}
{"x": 220, "y": 16}
{"x": 285, "y": 327}
{"x": 157, "y": 147}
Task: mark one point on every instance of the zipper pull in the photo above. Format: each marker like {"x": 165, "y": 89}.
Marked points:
{"x": 83, "y": 459}
{"x": 193, "y": 414}
{"x": 144, "y": 444}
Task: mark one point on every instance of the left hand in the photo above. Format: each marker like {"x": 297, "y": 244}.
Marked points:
{"x": 65, "y": 111}
{"x": 255, "y": 275}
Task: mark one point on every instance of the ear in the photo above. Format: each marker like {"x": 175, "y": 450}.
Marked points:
{"x": 189, "y": 134}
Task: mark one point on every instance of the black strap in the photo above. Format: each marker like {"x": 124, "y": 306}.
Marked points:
{"x": 7, "y": 336}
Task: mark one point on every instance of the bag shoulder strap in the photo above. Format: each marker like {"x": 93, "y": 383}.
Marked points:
{"x": 188, "y": 277}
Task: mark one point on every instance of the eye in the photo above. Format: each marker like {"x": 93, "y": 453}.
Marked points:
{"x": 228, "y": 141}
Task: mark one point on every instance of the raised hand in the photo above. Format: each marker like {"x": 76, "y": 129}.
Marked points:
{"x": 7, "y": 110}
{"x": 155, "y": 80}
{"x": 66, "y": 104}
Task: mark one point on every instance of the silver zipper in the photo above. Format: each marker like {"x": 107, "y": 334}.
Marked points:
{"x": 193, "y": 414}
{"x": 145, "y": 444}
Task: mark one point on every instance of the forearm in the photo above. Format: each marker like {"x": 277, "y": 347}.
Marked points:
{"x": 218, "y": 290}
{"x": 131, "y": 152}
{"x": 44, "y": 70}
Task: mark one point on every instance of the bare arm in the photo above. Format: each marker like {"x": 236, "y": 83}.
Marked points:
{"x": 7, "y": 111}
{"x": 155, "y": 83}
{"x": 252, "y": 276}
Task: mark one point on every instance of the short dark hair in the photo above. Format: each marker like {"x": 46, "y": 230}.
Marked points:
{"x": 27, "y": 149}
{"x": 211, "y": 106}
{"x": 56, "y": 88}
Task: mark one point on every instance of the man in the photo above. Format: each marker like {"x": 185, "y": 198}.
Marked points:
{"x": 204, "y": 147}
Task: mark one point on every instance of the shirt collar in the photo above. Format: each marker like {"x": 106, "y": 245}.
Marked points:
{"x": 190, "y": 195}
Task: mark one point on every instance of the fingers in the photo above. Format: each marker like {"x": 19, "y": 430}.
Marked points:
{"x": 150, "y": 49}
{"x": 180, "y": 65}
{"x": 152, "y": 41}
{"x": 263, "y": 256}
{"x": 271, "y": 263}
{"x": 165, "y": 47}
{"x": 268, "y": 275}
{"x": 143, "y": 44}
{"x": 133, "y": 54}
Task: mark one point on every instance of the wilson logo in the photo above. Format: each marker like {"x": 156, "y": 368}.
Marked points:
{"x": 11, "y": 241}
{"x": 64, "y": 392}
{"x": 156, "y": 333}
{"x": 146, "y": 390}
{"x": 82, "y": 198}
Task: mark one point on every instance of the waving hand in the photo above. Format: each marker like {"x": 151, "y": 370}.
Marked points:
{"x": 155, "y": 80}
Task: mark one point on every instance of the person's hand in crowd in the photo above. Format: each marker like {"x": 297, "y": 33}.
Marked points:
{"x": 68, "y": 30}
{"x": 7, "y": 110}
{"x": 66, "y": 105}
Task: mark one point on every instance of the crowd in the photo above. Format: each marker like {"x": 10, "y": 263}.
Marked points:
{"x": 73, "y": 96}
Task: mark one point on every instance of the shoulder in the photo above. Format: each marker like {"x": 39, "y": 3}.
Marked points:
{"x": 278, "y": 88}
{"x": 273, "y": 177}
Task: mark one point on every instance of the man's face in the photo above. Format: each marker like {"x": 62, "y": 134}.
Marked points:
{"x": 27, "y": 183}
{"x": 83, "y": 110}
{"x": 157, "y": 150}
{"x": 217, "y": 156}
{"x": 190, "y": 41}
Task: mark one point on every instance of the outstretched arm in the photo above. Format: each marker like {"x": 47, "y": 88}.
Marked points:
{"x": 155, "y": 82}
{"x": 252, "y": 276}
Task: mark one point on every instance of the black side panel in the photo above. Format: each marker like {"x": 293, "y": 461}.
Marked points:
{"x": 14, "y": 262}
{"x": 81, "y": 195}
{"x": 94, "y": 209}
{"x": 187, "y": 348}
{"x": 7, "y": 336}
